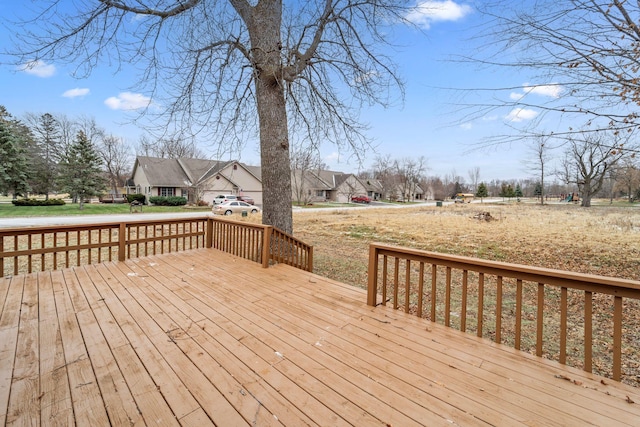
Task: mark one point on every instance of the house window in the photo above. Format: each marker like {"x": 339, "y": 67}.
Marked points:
{"x": 166, "y": 191}
{"x": 320, "y": 193}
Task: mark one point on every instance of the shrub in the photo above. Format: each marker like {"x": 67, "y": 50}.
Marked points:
{"x": 140, "y": 198}
{"x": 168, "y": 201}
{"x": 36, "y": 202}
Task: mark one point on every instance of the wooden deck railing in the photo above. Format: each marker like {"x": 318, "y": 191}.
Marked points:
{"x": 261, "y": 243}
{"x": 552, "y": 313}
{"x": 29, "y": 249}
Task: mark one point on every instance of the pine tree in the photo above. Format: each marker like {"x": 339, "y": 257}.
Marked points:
{"x": 81, "y": 173}
{"x": 46, "y": 154}
{"x": 14, "y": 167}
{"x": 482, "y": 191}
{"x": 518, "y": 192}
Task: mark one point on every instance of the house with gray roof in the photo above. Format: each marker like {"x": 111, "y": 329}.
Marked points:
{"x": 323, "y": 185}
{"x": 195, "y": 179}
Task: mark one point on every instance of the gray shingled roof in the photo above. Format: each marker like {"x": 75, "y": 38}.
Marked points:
{"x": 185, "y": 172}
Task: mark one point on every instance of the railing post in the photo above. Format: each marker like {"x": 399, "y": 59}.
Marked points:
{"x": 266, "y": 246}
{"x": 372, "y": 288}
{"x": 209, "y": 233}
{"x": 122, "y": 242}
{"x": 310, "y": 259}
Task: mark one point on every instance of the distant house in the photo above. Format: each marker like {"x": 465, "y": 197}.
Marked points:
{"x": 323, "y": 185}
{"x": 408, "y": 192}
{"x": 375, "y": 189}
{"x": 195, "y": 179}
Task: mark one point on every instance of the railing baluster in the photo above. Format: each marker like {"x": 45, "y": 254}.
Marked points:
{"x": 463, "y": 311}
{"x": 540, "y": 320}
{"x": 447, "y": 298}
{"x": 498, "y": 309}
{"x": 588, "y": 330}
{"x": 42, "y": 246}
{"x": 617, "y": 338}
{"x": 562, "y": 358}
{"x": 518, "y": 338}
{"x": 16, "y": 247}
{"x": 29, "y": 248}
{"x": 395, "y": 282}
{"x": 407, "y": 285}
{"x": 434, "y": 289}
{"x": 420, "y": 288}
{"x": 78, "y": 240}
{"x": 480, "y": 304}
{"x": 67, "y": 251}
{"x": 384, "y": 280}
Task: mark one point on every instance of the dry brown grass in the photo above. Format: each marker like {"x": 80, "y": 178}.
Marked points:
{"x": 598, "y": 240}
{"x": 604, "y": 241}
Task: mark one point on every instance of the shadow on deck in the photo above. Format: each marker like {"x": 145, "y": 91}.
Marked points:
{"x": 205, "y": 338}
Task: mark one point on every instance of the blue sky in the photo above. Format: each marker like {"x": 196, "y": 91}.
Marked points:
{"x": 426, "y": 124}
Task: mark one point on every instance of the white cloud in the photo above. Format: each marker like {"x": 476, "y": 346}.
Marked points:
{"x": 333, "y": 157}
{"x": 466, "y": 126}
{"x": 427, "y": 12}
{"x": 551, "y": 90}
{"x": 520, "y": 114}
{"x": 77, "y": 92}
{"x": 128, "y": 101}
{"x": 38, "y": 68}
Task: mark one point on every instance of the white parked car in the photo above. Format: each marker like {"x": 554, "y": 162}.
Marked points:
{"x": 221, "y": 198}
{"x": 228, "y": 208}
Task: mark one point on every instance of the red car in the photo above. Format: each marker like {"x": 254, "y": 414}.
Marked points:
{"x": 360, "y": 199}
{"x": 246, "y": 199}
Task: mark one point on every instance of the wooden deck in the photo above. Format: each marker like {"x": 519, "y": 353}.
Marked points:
{"x": 205, "y": 338}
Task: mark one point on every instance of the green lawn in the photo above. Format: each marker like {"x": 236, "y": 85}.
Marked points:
{"x": 8, "y": 210}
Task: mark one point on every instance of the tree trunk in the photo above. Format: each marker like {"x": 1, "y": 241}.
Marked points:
{"x": 274, "y": 153}
{"x": 586, "y": 194}
{"x": 264, "y": 31}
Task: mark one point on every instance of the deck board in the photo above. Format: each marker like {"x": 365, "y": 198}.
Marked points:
{"x": 205, "y": 338}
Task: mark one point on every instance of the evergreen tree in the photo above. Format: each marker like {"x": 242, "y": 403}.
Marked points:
{"x": 47, "y": 152}
{"x": 482, "y": 191}
{"x": 507, "y": 191}
{"x": 81, "y": 173}
{"x": 537, "y": 191}
{"x": 518, "y": 192}
{"x": 14, "y": 168}
{"x": 456, "y": 189}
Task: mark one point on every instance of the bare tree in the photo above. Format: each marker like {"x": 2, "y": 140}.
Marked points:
{"x": 628, "y": 177}
{"x": 581, "y": 58}
{"x": 384, "y": 173}
{"x": 236, "y": 66}
{"x": 588, "y": 161}
{"x": 540, "y": 148}
{"x": 474, "y": 178}
{"x": 304, "y": 162}
{"x": 117, "y": 160}
{"x": 175, "y": 147}
{"x": 409, "y": 173}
